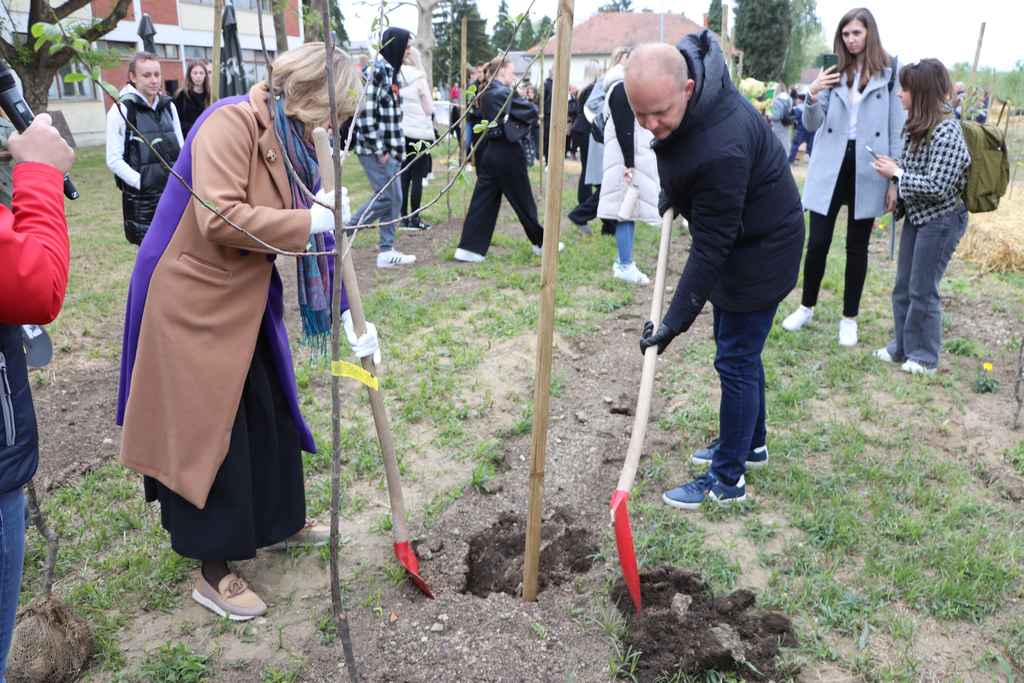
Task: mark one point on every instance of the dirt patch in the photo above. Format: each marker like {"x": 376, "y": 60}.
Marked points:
{"x": 496, "y": 555}
{"x": 682, "y": 627}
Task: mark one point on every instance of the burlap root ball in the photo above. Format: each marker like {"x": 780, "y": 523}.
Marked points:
{"x": 51, "y": 643}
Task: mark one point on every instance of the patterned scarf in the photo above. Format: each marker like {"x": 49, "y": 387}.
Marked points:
{"x": 312, "y": 272}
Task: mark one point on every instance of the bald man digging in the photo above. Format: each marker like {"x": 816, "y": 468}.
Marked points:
{"x": 722, "y": 169}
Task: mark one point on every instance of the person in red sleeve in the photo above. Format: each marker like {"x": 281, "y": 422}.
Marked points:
{"x": 34, "y": 257}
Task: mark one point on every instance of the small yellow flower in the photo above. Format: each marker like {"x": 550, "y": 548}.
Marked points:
{"x": 987, "y": 366}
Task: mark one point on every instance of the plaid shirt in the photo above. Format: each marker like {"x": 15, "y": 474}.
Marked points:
{"x": 934, "y": 176}
{"x": 379, "y": 124}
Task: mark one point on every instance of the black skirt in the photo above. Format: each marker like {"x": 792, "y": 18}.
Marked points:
{"x": 258, "y": 497}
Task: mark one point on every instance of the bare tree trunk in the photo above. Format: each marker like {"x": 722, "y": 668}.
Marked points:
{"x": 425, "y": 36}
{"x": 314, "y": 27}
{"x": 280, "y": 25}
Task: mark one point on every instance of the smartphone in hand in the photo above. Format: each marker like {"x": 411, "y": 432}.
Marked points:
{"x": 829, "y": 59}
{"x": 872, "y": 152}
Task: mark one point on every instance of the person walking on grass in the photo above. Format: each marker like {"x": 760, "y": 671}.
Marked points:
{"x": 852, "y": 108}
{"x": 928, "y": 180}
{"x": 380, "y": 145}
{"x": 207, "y": 393}
{"x": 630, "y": 188}
{"x": 721, "y": 168}
{"x": 501, "y": 167}
{"x": 34, "y": 257}
{"x": 781, "y": 114}
{"x": 418, "y": 127}
{"x": 580, "y": 131}
{"x": 800, "y": 134}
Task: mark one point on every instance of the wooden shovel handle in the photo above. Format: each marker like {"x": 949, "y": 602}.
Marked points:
{"x": 643, "y": 405}
{"x": 355, "y": 307}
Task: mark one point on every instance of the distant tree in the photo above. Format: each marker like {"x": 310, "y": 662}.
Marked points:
{"x": 715, "y": 17}
{"x": 617, "y": 6}
{"x": 448, "y": 34}
{"x": 805, "y": 28}
{"x": 311, "y": 10}
{"x": 544, "y": 26}
{"x": 501, "y": 33}
{"x": 762, "y": 32}
{"x": 527, "y": 37}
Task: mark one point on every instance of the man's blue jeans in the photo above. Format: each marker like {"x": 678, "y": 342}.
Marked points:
{"x": 739, "y": 339}
{"x": 388, "y": 206}
{"x": 12, "y": 557}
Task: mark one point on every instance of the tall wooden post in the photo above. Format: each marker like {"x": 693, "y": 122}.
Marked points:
{"x": 548, "y": 282}
{"x": 540, "y": 120}
{"x": 462, "y": 110}
{"x": 218, "y": 12}
{"x": 974, "y": 68}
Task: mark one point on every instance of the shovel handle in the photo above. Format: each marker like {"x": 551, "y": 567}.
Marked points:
{"x": 643, "y": 406}
{"x": 355, "y": 307}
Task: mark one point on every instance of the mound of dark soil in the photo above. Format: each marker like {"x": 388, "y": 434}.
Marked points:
{"x": 496, "y": 555}
{"x": 683, "y": 628}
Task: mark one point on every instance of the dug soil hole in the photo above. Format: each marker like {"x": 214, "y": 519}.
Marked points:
{"x": 683, "y": 628}
{"x": 497, "y": 554}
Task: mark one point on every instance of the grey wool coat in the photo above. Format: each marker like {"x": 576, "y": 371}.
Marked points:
{"x": 880, "y": 120}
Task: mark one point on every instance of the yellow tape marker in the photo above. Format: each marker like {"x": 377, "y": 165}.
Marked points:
{"x": 340, "y": 368}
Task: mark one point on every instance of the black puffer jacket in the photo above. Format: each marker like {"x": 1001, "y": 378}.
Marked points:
{"x": 723, "y": 170}
{"x": 155, "y": 125}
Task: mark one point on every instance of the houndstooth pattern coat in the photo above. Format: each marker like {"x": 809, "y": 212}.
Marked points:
{"x": 934, "y": 176}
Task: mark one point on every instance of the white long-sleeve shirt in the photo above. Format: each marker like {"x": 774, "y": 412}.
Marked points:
{"x": 116, "y": 133}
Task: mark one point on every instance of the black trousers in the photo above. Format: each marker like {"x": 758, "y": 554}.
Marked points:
{"x": 585, "y": 189}
{"x": 258, "y": 497}
{"x": 412, "y": 178}
{"x": 858, "y": 235}
{"x": 501, "y": 170}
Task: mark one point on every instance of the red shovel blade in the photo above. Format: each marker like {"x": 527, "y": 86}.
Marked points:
{"x": 408, "y": 559}
{"x": 624, "y": 542}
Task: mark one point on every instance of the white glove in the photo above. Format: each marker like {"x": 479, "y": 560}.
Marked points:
{"x": 346, "y": 207}
{"x": 321, "y": 218}
{"x": 363, "y": 346}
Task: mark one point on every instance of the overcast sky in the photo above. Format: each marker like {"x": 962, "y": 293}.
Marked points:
{"x": 944, "y": 29}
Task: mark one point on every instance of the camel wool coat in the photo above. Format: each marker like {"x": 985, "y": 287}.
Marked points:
{"x": 206, "y": 300}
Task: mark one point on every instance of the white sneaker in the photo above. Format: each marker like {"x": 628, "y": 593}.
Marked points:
{"x": 386, "y": 259}
{"x": 540, "y": 252}
{"x": 468, "y": 256}
{"x": 469, "y": 168}
{"x": 916, "y": 368}
{"x": 798, "y": 318}
{"x": 847, "y": 332}
{"x": 630, "y": 273}
{"x": 430, "y": 176}
{"x": 426, "y": 182}
{"x": 883, "y": 355}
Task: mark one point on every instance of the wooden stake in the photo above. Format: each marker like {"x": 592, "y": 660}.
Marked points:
{"x": 540, "y": 121}
{"x": 462, "y": 109}
{"x": 974, "y": 69}
{"x": 548, "y": 282}
{"x": 218, "y": 12}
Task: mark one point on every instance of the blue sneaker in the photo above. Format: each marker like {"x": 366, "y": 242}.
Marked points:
{"x": 706, "y": 486}
{"x": 755, "y": 458}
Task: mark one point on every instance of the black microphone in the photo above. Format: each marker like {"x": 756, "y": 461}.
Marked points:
{"x": 21, "y": 116}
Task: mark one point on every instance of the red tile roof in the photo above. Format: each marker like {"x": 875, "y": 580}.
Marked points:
{"x": 603, "y": 32}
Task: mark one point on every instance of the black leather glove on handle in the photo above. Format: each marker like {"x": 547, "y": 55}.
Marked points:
{"x": 662, "y": 337}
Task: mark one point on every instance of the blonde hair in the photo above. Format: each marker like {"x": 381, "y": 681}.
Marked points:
{"x": 414, "y": 59}
{"x": 495, "y": 65}
{"x": 618, "y": 54}
{"x": 300, "y": 77}
{"x": 590, "y": 74}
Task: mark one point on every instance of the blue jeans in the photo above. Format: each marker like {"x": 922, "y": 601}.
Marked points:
{"x": 925, "y": 251}
{"x": 739, "y": 339}
{"x": 388, "y": 206}
{"x": 624, "y": 241}
{"x": 12, "y": 557}
{"x": 800, "y": 137}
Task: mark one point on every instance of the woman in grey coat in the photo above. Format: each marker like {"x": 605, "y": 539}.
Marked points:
{"x": 853, "y": 107}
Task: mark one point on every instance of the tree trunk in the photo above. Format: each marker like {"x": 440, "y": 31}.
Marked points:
{"x": 314, "y": 28}
{"x": 424, "y": 40}
{"x": 280, "y": 27}
{"x": 37, "y": 86}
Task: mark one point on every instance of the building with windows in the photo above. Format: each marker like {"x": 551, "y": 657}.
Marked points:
{"x": 184, "y": 31}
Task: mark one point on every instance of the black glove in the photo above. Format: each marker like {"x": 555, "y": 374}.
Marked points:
{"x": 662, "y": 337}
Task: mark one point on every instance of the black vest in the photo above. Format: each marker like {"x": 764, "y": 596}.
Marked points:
{"x": 157, "y": 126}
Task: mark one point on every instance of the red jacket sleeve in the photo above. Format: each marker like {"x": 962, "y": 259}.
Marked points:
{"x": 34, "y": 248}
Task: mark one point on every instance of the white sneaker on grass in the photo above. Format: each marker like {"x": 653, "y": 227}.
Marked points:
{"x": 916, "y": 368}
{"x": 540, "y": 252}
{"x": 630, "y": 273}
{"x": 386, "y": 259}
{"x": 847, "y": 332}
{"x": 882, "y": 354}
{"x": 468, "y": 256}
{"x": 798, "y": 318}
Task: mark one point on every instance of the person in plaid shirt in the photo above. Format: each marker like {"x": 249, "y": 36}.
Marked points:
{"x": 929, "y": 178}
{"x": 380, "y": 144}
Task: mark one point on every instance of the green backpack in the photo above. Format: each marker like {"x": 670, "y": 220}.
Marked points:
{"x": 989, "y": 172}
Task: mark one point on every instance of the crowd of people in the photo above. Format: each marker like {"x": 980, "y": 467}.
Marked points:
{"x": 212, "y": 420}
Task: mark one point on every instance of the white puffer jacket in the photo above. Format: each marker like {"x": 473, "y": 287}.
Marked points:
{"x": 614, "y": 184}
{"x": 416, "y": 124}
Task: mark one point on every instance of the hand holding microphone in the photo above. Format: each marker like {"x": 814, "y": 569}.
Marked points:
{"x": 34, "y": 143}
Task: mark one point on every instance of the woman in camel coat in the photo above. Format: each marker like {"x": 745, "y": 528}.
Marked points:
{"x": 207, "y": 395}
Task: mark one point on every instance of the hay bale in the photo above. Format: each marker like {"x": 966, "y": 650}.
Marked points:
{"x": 50, "y": 644}
{"x": 994, "y": 241}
